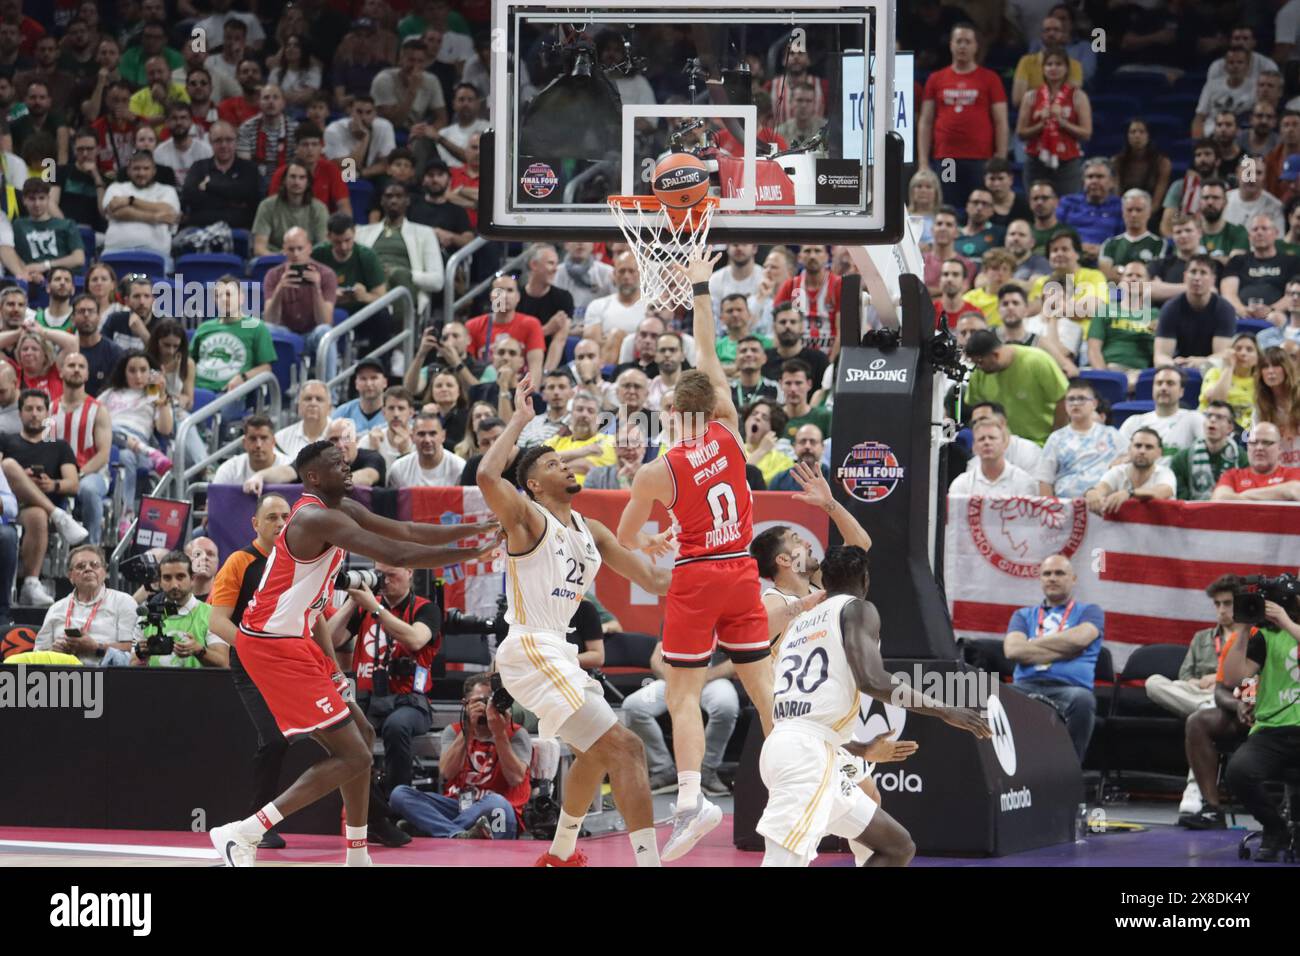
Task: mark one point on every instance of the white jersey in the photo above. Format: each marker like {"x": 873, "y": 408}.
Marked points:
{"x": 815, "y": 688}
{"x": 788, "y": 599}
{"x": 545, "y": 584}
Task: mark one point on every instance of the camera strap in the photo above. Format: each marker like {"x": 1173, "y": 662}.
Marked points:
{"x": 94, "y": 609}
{"x": 405, "y": 611}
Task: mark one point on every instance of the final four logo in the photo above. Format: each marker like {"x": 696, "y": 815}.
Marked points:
{"x": 871, "y": 471}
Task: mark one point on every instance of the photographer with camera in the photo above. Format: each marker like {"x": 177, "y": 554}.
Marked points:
{"x": 396, "y": 640}
{"x": 484, "y": 770}
{"x": 1273, "y": 606}
{"x": 173, "y": 628}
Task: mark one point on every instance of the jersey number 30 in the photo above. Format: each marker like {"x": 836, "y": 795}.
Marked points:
{"x": 792, "y": 664}
{"x": 722, "y": 502}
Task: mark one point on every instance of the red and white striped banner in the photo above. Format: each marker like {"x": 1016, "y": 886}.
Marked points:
{"x": 1146, "y": 566}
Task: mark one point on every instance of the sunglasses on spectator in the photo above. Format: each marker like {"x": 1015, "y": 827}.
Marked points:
{"x": 87, "y": 566}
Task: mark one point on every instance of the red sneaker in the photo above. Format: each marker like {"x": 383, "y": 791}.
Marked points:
{"x": 548, "y": 859}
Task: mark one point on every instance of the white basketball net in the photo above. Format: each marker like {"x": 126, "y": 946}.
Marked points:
{"x": 662, "y": 247}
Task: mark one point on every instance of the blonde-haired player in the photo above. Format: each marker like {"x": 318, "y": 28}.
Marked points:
{"x": 553, "y": 555}
{"x": 827, "y": 657}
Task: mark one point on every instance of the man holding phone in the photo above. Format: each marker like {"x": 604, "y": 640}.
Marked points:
{"x": 94, "y": 622}
{"x": 301, "y": 294}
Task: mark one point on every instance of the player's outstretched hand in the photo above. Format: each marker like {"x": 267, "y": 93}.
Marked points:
{"x": 700, "y": 264}
{"x": 660, "y": 544}
{"x": 816, "y": 490}
{"x": 488, "y": 526}
{"x": 524, "y": 410}
{"x": 489, "y": 549}
{"x": 968, "y": 719}
{"x": 883, "y": 750}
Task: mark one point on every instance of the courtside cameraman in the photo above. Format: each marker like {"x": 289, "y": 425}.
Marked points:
{"x": 174, "y": 624}
{"x": 1274, "y": 742}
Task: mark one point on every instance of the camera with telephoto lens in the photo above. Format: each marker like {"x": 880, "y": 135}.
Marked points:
{"x": 1249, "y": 597}
{"x": 501, "y": 698}
{"x": 154, "y": 612}
{"x": 364, "y": 578}
{"x": 946, "y": 355}
{"x": 458, "y": 622}
{"x": 140, "y": 571}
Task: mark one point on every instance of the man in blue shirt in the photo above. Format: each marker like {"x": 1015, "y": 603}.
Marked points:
{"x": 1055, "y": 646}
{"x": 1096, "y": 213}
{"x": 366, "y": 411}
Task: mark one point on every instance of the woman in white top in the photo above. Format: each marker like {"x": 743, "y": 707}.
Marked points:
{"x": 168, "y": 350}
{"x": 137, "y": 399}
{"x": 295, "y": 71}
{"x": 923, "y": 201}
{"x": 101, "y": 285}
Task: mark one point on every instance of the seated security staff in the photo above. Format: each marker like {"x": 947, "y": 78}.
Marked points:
{"x": 397, "y": 636}
{"x": 484, "y": 770}
{"x": 193, "y": 644}
{"x": 1274, "y": 742}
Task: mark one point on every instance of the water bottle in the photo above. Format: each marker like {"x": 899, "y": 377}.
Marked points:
{"x": 1081, "y": 823}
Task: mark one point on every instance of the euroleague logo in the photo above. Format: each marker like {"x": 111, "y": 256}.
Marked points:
{"x": 539, "y": 180}
{"x": 871, "y": 471}
{"x": 1016, "y": 534}
{"x": 1004, "y": 744}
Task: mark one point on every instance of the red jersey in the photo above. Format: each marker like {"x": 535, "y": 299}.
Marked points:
{"x": 1244, "y": 479}
{"x": 943, "y": 317}
{"x": 524, "y": 329}
{"x": 821, "y": 309}
{"x": 711, "y": 505}
{"x": 292, "y": 592}
{"x": 460, "y": 177}
{"x": 375, "y": 645}
{"x": 482, "y": 771}
{"x": 77, "y": 428}
{"x": 963, "y": 112}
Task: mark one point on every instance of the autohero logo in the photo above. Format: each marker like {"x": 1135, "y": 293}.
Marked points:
{"x": 76, "y": 909}
{"x": 876, "y": 372}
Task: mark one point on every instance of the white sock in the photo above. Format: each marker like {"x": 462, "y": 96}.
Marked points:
{"x": 644, "y": 847}
{"x": 252, "y": 828}
{"x": 688, "y": 789}
{"x": 566, "y": 835}
{"x": 358, "y": 855}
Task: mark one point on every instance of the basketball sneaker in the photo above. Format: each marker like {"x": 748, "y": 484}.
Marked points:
{"x": 232, "y": 847}
{"x": 689, "y": 827}
{"x": 548, "y": 859}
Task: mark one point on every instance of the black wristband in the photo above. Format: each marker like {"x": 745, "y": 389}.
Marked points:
{"x": 700, "y": 288}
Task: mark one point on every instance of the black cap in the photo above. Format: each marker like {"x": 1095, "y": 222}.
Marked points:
{"x": 371, "y": 363}
{"x": 437, "y": 164}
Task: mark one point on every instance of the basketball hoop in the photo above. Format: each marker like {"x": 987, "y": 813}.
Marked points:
{"x": 662, "y": 239}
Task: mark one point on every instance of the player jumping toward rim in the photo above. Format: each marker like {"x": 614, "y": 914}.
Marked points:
{"x": 293, "y": 664}
{"x": 553, "y": 555}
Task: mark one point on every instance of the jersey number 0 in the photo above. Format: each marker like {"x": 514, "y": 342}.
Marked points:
{"x": 722, "y": 502}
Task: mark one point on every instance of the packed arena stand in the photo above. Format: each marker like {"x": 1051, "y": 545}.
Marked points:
{"x": 1122, "y": 271}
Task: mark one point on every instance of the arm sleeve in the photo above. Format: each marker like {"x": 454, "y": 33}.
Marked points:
{"x": 449, "y": 736}
{"x": 534, "y": 336}
{"x": 383, "y": 90}
{"x": 1166, "y": 325}
{"x": 229, "y": 579}
{"x": 1225, "y": 324}
{"x": 429, "y": 617}
{"x": 521, "y": 745}
{"x": 1047, "y": 464}
{"x": 1257, "y": 648}
{"x": 1020, "y": 622}
{"x": 1186, "y": 671}
{"x": 261, "y": 221}
{"x": 1094, "y": 615}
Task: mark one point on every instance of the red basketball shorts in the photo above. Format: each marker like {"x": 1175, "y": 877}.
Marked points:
{"x": 296, "y": 681}
{"x": 715, "y": 600}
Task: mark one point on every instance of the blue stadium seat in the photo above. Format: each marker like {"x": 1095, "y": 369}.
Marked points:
{"x": 1116, "y": 107}
{"x": 1191, "y": 387}
{"x": 570, "y": 344}
{"x": 1177, "y": 103}
{"x": 1252, "y": 326}
{"x": 340, "y": 315}
{"x": 38, "y": 296}
{"x": 1122, "y": 410}
{"x": 243, "y": 243}
{"x": 362, "y": 194}
{"x": 289, "y": 347}
{"x": 138, "y": 261}
{"x": 1168, "y": 129}
{"x": 1112, "y": 386}
{"x": 208, "y": 266}
{"x": 259, "y": 267}
{"x": 88, "y": 242}
{"x": 965, "y": 438}
{"x": 202, "y": 396}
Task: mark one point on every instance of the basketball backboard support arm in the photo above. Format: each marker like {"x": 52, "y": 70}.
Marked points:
{"x": 490, "y": 229}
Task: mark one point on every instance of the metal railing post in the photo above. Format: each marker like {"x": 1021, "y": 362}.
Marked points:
{"x": 461, "y": 255}
{"x": 404, "y": 339}
{"x": 182, "y": 469}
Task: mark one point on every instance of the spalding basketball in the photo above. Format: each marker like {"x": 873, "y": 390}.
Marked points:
{"x": 17, "y": 641}
{"x": 681, "y": 180}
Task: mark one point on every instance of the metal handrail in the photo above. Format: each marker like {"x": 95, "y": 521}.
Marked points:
{"x": 510, "y": 265}
{"x": 183, "y": 470}
{"x": 461, "y": 255}
{"x": 404, "y": 338}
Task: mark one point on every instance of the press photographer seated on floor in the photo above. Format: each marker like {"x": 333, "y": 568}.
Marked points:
{"x": 484, "y": 772}
{"x": 173, "y": 625}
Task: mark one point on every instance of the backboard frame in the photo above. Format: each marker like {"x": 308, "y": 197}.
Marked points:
{"x": 883, "y": 178}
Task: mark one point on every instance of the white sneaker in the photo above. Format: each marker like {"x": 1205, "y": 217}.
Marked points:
{"x": 689, "y": 827}
{"x": 1192, "y": 800}
{"x": 68, "y": 527}
{"x": 34, "y": 594}
{"x": 233, "y": 849}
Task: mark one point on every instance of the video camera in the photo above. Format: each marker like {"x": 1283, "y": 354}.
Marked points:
{"x": 458, "y": 622}
{"x": 154, "y": 612}
{"x": 140, "y": 571}
{"x": 1249, "y": 597}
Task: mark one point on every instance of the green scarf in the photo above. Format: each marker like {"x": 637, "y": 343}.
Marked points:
{"x": 1202, "y": 475}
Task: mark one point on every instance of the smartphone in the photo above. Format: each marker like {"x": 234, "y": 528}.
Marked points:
{"x": 37, "y": 470}
{"x": 72, "y": 632}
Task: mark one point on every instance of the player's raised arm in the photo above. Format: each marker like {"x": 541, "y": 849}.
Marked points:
{"x": 860, "y": 625}
{"x": 650, "y": 484}
{"x": 417, "y": 533}
{"x": 817, "y": 492}
{"x": 699, "y": 267}
{"x": 337, "y": 527}
{"x": 511, "y": 507}
{"x": 627, "y": 563}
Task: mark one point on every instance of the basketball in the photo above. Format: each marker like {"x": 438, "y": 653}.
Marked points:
{"x": 681, "y": 180}
{"x": 17, "y": 641}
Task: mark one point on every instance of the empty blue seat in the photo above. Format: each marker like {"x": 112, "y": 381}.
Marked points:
{"x": 289, "y": 347}
{"x": 208, "y": 267}
{"x": 1191, "y": 386}
{"x": 362, "y": 194}
{"x": 1252, "y": 326}
{"x": 1122, "y": 410}
{"x": 259, "y": 267}
{"x": 243, "y": 244}
{"x": 1116, "y": 107}
{"x": 202, "y": 396}
{"x": 1112, "y": 386}
{"x": 139, "y": 261}
{"x": 965, "y": 438}
{"x": 88, "y": 242}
